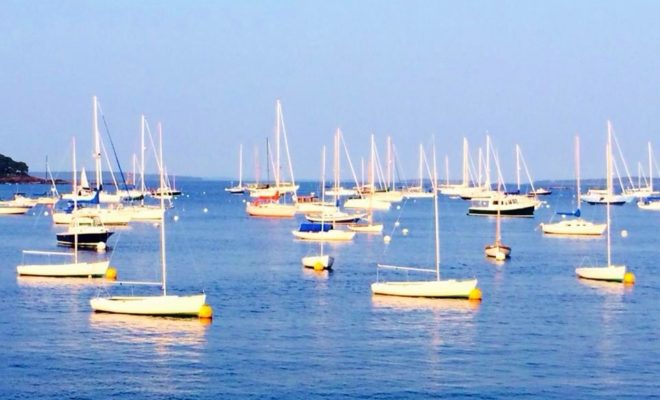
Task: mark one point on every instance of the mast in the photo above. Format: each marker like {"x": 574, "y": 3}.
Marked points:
{"x": 75, "y": 202}
{"x": 488, "y": 162}
{"x": 577, "y": 170}
{"x": 480, "y": 153}
{"x": 389, "y": 162}
{"x": 268, "y": 160}
{"x": 421, "y": 173}
{"x": 447, "y": 170}
{"x": 335, "y": 167}
{"x": 143, "y": 188}
{"x": 518, "y": 167}
{"x": 97, "y": 147}
{"x": 498, "y": 236}
{"x": 435, "y": 213}
{"x": 240, "y": 165}
{"x": 465, "y": 162}
{"x": 277, "y": 144}
{"x": 322, "y": 193}
{"x": 650, "y": 169}
{"x": 372, "y": 183}
{"x": 608, "y": 155}
{"x": 162, "y": 210}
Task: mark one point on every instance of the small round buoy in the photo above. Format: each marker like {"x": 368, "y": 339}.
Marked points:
{"x": 46, "y": 213}
{"x": 205, "y": 312}
{"x": 100, "y": 246}
{"x": 397, "y": 223}
{"x": 387, "y": 239}
{"x": 398, "y": 207}
{"x": 111, "y": 274}
{"x": 243, "y": 200}
{"x": 318, "y": 266}
{"x": 206, "y": 210}
{"x": 629, "y": 278}
{"x": 204, "y": 193}
{"x": 547, "y": 206}
{"x": 475, "y": 294}
{"x": 624, "y": 233}
{"x": 176, "y": 218}
{"x": 404, "y": 231}
{"x": 500, "y": 256}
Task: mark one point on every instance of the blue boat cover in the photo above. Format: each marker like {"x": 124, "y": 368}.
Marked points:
{"x": 575, "y": 213}
{"x": 314, "y": 227}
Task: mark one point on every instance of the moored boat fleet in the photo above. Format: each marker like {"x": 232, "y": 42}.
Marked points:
{"x": 340, "y": 212}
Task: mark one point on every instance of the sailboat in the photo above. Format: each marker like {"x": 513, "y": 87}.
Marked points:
{"x": 52, "y": 197}
{"x": 607, "y": 195}
{"x": 67, "y": 270}
{"x": 438, "y": 288}
{"x": 455, "y": 190}
{"x": 143, "y": 211}
{"x": 267, "y": 204}
{"x": 652, "y": 201}
{"x": 322, "y": 231}
{"x": 577, "y": 225}
{"x": 498, "y": 250}
{"x": 418, "y": 192}
{"x": 369, "y": 226}
{"x": 611, "y": 272}
{"x": 160, "y": 305}
{"x": 238, "y": 189}
{"x": 321, "y": 261}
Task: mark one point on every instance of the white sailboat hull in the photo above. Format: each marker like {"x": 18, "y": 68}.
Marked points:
{"x": 341, "y": 192}
{"x": 418, "y": 195}
{"x": 325, "y": 261}
{"x": 316, "y": 207}
{"x": 325, "y": 236}
{"x": 337, "y": 217}
{"x": 649, "y": 205}
{"x": 180, "y": 306}
{"x": 391, "y": 196}
{"x": 574, "y": 227}
{"x": 367, "y": 204}
{"x": 450, "y": 288}
{"x": 366, "y": 228}
{"x": 497, "y": 251}
{"x": 144, "y": 213}
{"x": 107, "y": 216}
{"x": 11, "y": 210}
{"x": 613, "y": 273}
{"x": 72, "y": 270}
{"x": 270, "y": 210}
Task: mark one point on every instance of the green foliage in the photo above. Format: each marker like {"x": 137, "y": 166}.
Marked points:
{"x": 9, "y": 167}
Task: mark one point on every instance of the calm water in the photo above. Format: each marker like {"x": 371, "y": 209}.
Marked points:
{"x": 284, "y": 332}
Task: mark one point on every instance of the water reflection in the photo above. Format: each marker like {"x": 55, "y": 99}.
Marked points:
{"x": 617, "y": 289}
{"x": 162, "y": 332}
{"x": 423, "y": 303}
{"x": 40, "y": 281}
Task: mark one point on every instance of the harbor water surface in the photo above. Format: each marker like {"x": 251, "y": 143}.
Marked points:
{"x": 282, "y": 332}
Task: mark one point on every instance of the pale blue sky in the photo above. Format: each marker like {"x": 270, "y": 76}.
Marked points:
{"x": 529, "y": 72}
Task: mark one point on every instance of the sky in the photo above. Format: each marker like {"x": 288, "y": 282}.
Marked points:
{"x": 531, "y": 73}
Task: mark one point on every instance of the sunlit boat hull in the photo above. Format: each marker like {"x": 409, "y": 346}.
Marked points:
{"x": 316, "y": 262}
{"x": 175, "y": 306}
{"x": 574, "y": 227}
{"x": 450, "y": 288}
{"x": 614, "y": 273}
{"x": 270, "y": 210}
{"x": 72, "y": 270}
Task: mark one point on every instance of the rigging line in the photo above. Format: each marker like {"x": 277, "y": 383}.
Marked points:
{"x": 114, "y": 151}
{"x": 112, "y": 173}
{"x": 350, "y": 163}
